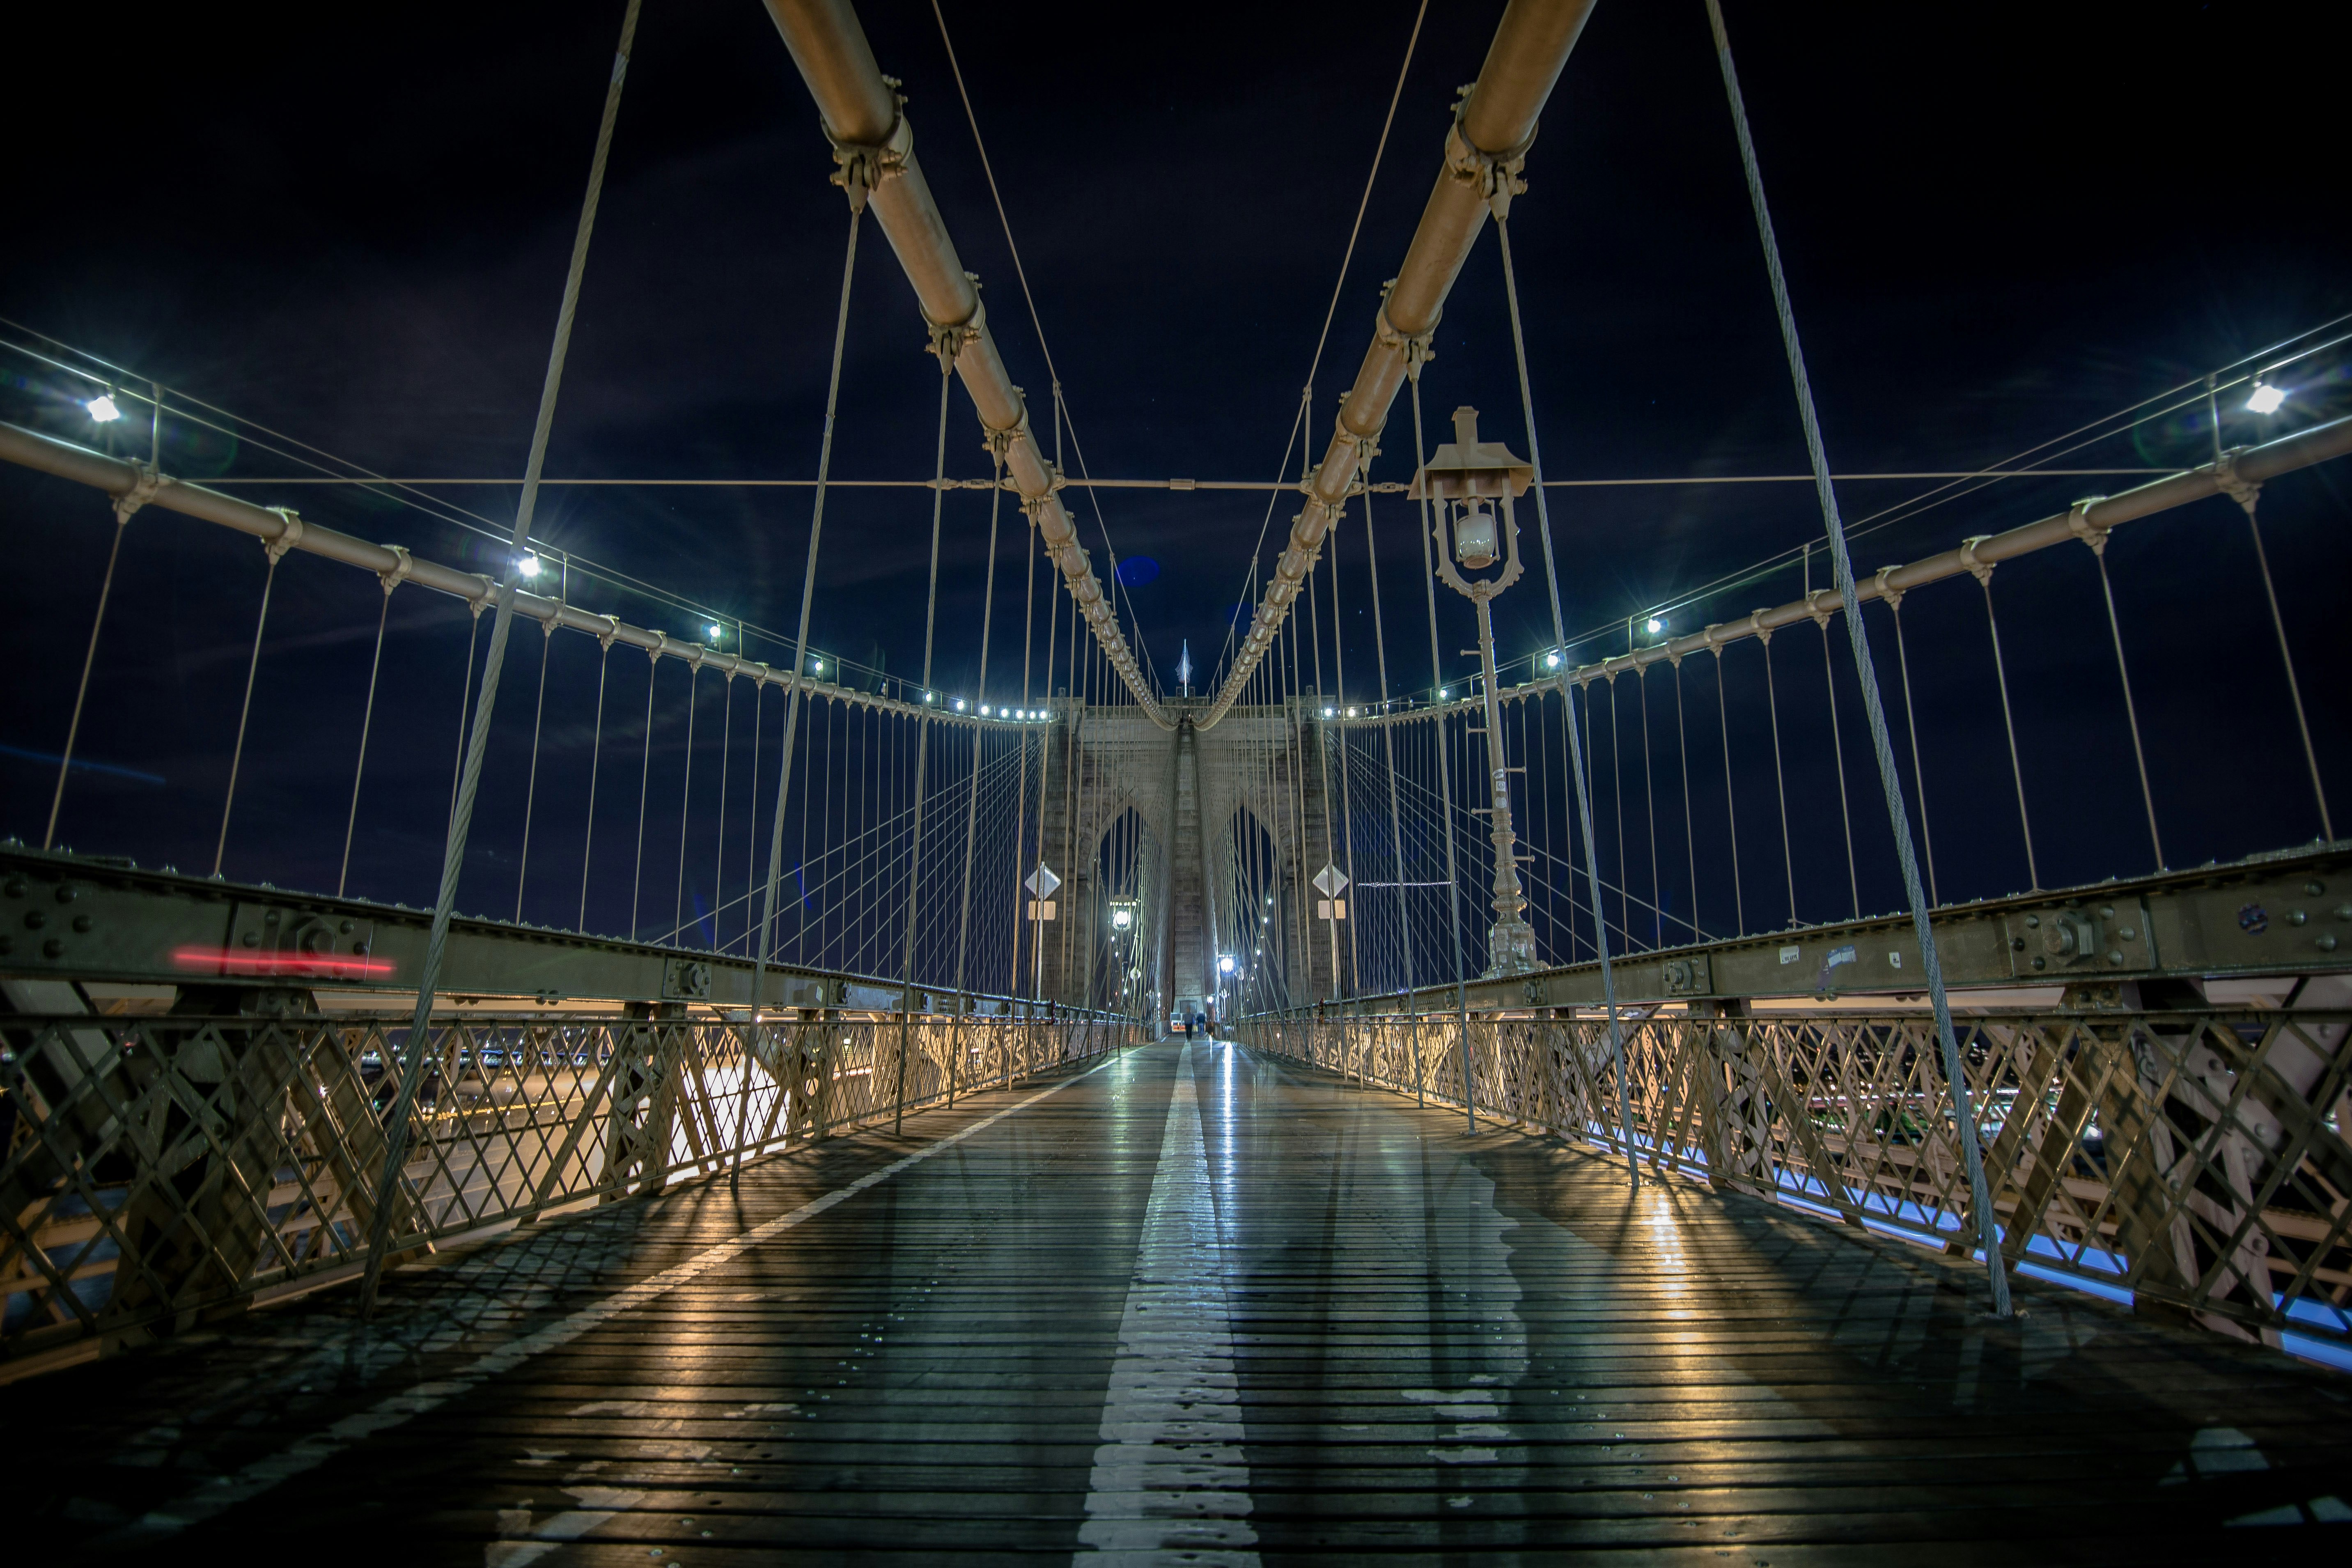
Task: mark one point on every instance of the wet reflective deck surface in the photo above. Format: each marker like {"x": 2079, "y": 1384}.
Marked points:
{"x": 1193, "y": 1306}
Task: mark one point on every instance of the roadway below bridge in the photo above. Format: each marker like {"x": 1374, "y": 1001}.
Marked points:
{"x": 1189, "y": 1304}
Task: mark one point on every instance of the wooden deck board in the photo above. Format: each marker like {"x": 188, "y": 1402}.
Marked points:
{"x": 1441, "y": 1346}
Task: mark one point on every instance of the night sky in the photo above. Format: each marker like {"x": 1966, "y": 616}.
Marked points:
{"x": 2000, "y": 222}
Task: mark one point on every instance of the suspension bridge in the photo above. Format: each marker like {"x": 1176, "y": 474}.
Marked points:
{"x": 1595, "y": 1098}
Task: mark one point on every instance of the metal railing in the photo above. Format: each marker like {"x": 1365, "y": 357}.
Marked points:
{"x": 157, "y": 1171}
{"x": 2193, "y": 1163}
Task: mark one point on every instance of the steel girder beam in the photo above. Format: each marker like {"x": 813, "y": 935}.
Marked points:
{"x": 2269, "y": 914}
{"x": 67, "y": 917}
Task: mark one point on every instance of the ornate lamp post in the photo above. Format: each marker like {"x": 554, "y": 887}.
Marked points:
{"x": 1465, "y": 477}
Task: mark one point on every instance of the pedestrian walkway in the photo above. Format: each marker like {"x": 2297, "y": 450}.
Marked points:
{"x": 1189, "y": 1305}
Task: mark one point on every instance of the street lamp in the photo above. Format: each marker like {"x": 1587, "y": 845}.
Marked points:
{"x": 1462, "y": 481}
{"x": 2265, "y": 399}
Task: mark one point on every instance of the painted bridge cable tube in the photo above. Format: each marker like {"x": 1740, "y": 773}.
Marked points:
{"x": 1494, "y": 124}
{"x": 864, "y": 117}
{"x": 454, "y": 853}
{"x": 1898, "y": 815}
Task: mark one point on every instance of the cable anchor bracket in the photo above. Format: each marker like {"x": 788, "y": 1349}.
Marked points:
{"x": 2079, "y": 524}
{"x": 146, "y": 480}
{"x": 1495, "y": 176}
{"x": 860, "y": 168}
{"x": 402, "y": 563}
{"x": 2245, "y": 492}
{"x": 287, "y": 537}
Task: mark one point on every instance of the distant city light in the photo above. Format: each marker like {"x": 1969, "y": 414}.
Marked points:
{"x": 2266, "y": 399}
{"x": 1351, "y": 713}
{"x": 1328, "y": 712}
{"x": 983, "y": 710}
{"x": 1655, "y": 624}
{"x": 928, "y": 697}
{"x": 528, "y": 565}
{"x": 103, "y": 409}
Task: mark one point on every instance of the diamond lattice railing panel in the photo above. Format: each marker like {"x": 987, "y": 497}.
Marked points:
{"x": 2196, "y": 1160}
{"x": 155, "y": 1170}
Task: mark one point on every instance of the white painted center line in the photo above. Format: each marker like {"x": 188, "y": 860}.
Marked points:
{"x": 1171, "y": 1481}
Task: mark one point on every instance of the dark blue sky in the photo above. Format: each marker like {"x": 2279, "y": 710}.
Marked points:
{"x": 2000, "y": 221}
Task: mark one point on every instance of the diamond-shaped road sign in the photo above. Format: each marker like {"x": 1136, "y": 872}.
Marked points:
{"x": 1042, "y": 882}
{"x": 1330, "y": 880}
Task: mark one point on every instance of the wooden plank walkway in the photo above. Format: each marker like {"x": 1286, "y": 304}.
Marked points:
{"x": 1191, "y": 1306}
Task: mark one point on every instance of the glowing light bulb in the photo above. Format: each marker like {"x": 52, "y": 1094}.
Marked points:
{"x": 958, "y": 704}
{"x": 103, "y": 409}
{"x": 817, "y": 665}
{"x": 1655, "y": 625}
{"x": 528, "y": 566}
{"x": 1351, "y": 713}
{"x": 1551, "y": 659}
{"x": 1328, "y": 712}
{"x": 1443, "y": 694}
{"x": 2266, "y": 399}
{"x": 714, "y": 632}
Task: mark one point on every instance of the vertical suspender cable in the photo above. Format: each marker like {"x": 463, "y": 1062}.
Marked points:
{"x": 2097, "y": 541}
{"x": 1730, "y": 805}
{"x": 1396, "y": 830}
{"x": 236, "y": 755}
{"x": 1837, "y": 736}
{"x": 1568, "y": 694}
{"x": 454, "y": 858}
{"x": 1983, "y": 571}
{"x": 980, "y": 732}
{"x": 644, "y": 790}
{"x": 1020, "y": 768}
{"x": 858, "y": 192}
{"x": 1690, "y": 834}
{"x": 684, "y": 805}
{"x": 1617, "y": 799}
{"x": 367, "y": 722}
{"x": 1045, "y": 777}
{"x": 465, "y": 701}
{"x": 1780, "y": 779}
{"x": 719, "y": 849}
{"x": 1987, "y": 1227}
{"x": 1445, "y": 771}
{"x": 531, "y": 790}
{"x": 1894, "y": 598}
{"x": 751, "y": 787}
{"x": 1347, "y": 796}
{"x": 945, "y": 348}
{"x": 1650, "y": 812}
{"x": 1837, "y": 759}
{"x": 595, "y": 758}
{"x": 2247, "y": 493}
{"x": 124, "y": 507}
